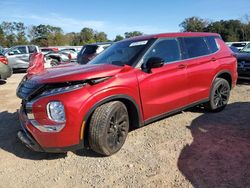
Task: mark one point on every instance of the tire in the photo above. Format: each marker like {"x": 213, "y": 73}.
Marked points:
{"x": 108, "y": 128}
{"x": 54, "y": 62}
{"x": 219, "y": 95}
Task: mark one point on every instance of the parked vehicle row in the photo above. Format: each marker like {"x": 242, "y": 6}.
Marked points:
{"x": 46, "y": 50}
{"x": 132, "y": 83}
{"x": 19, "y": 56}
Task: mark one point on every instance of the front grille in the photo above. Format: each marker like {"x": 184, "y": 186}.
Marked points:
{"x": 27, "y": 88}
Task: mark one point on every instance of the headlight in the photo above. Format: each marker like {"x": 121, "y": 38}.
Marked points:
{"x": 55, "y": 111}
{"x": 57, "y": 88}
{"x": 62, "y": 89}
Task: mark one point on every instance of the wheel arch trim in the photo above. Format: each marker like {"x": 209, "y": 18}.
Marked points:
{"x": 218, "y": 74}
{"x": 118, "y": 97}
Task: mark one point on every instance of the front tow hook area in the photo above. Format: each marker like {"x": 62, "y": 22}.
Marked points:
{"x": 28, "y": 141}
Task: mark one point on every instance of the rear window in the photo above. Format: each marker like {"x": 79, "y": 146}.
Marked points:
{"x": 196, "y": 46}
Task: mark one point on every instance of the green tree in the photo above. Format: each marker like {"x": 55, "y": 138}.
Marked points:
{"x": 8, "y": 29}
{"x": 101, "y": 37}
{"x": 245, "y": 20}
{"x": 86, "y": 36}
{"x": 132, "y": 34}
{"x": 193, "y": 24}
{"x": 118, "y": 38}
{"x": 46, "y": 35}
{"x": 230, "y": 30}
{"x": 2, "y": 37}
{"x": 71, "y": 39}
{"x": 20, "y": 29}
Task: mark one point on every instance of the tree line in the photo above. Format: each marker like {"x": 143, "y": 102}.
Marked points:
{"x": 230, "y": 30}
{"x": 16, "y": 33}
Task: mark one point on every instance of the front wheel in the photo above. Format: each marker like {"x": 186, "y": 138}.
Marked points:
{"x": 219, "y": 95}
{"x": 109, "y": 127}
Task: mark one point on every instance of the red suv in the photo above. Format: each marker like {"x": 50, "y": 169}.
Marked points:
{"x": 133, "y": 83}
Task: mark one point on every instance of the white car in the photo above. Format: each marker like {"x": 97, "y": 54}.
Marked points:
{"x": 18, "y": 56}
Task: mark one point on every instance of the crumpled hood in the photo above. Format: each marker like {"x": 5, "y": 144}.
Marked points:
{"x": 75, "y": 72}
{"x": 243, "y": 56}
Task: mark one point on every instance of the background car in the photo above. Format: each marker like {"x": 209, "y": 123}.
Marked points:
{"x": 243, "y": 58}
{"x": 5, "y": 70}
{"x": 88, "y": 52}
{"x": 46, "y": 50}
{"x": 18, "y": 56}
{"x": 234, "y": 49}
{"x": 56, "y": 58}
{"x": 238, "y": 45}
{"x": 72, "y": 53}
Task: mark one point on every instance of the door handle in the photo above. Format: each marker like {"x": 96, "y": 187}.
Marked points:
{"x": 213, "y": 59}
{"x": 182, "y": 66}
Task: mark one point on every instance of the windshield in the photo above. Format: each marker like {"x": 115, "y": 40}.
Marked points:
{"x": 121, "y": 53}
{"x": 246, "y": 48}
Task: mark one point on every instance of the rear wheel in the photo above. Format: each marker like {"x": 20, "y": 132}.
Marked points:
{"x": 109, "y": 127}
{"x": 219, "y": 95}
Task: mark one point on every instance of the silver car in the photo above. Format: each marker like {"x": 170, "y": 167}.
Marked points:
{"x": 18, "y": 56}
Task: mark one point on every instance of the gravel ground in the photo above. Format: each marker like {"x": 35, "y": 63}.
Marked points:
{"x": 190, "y": 149}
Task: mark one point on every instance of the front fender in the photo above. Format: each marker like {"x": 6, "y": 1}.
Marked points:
{"x": 110, "y": 94}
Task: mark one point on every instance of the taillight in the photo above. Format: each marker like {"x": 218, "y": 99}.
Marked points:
{"x": 4, "y": 60}
{"x": 69, "y": 56}
{"x": 55, "y": 49}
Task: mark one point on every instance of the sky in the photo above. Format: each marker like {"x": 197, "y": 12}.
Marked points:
{"x": 116, "y": 17}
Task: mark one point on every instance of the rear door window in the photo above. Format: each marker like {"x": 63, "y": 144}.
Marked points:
{"x": 166, "y": 49}
{"x": 196, "y": 46}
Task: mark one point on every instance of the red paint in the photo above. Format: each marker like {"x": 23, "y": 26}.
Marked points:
{"x": 36, "y": 64}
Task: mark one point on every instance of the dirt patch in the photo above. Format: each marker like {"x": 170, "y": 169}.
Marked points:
{"x": 190, "y": 149}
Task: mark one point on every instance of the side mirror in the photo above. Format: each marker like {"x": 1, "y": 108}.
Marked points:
{"x": 11, "y": 53}
{"x": 154, "y": 62}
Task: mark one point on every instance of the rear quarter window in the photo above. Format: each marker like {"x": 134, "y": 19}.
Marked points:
{"x": 212, "y": 44}
{"x": 196, "y": 46}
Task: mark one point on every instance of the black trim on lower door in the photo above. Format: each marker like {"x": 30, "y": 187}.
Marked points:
{"x": 164, "y": 115}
